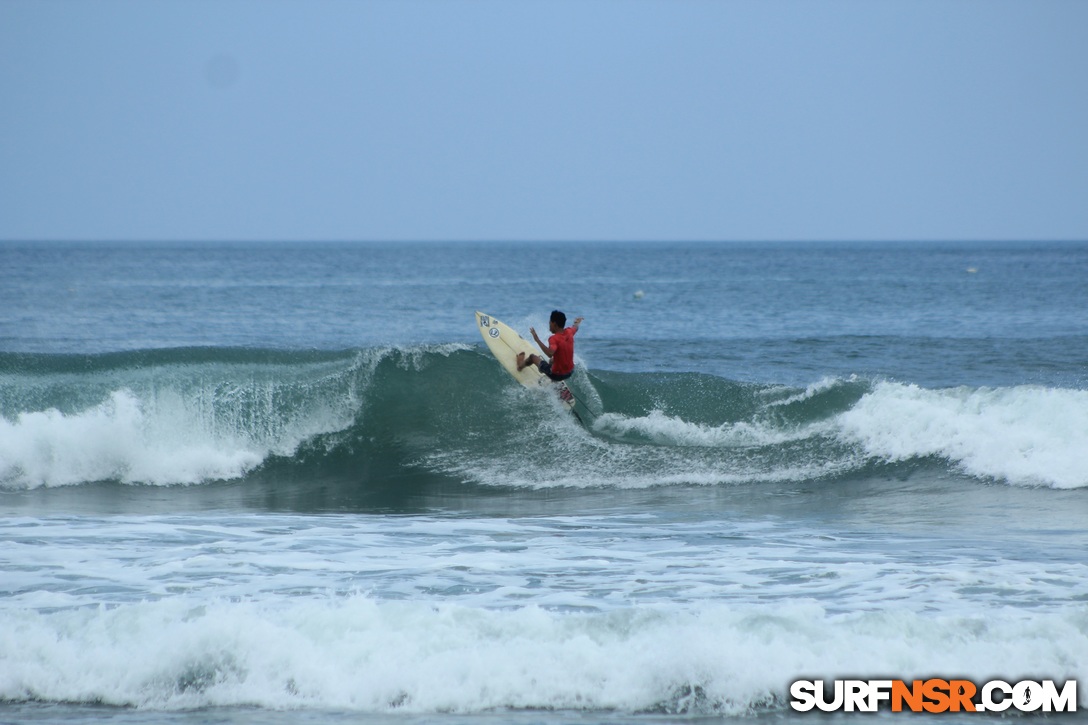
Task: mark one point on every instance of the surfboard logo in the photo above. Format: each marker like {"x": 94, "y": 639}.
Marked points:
{"x": 494, "y": 332}
{"x": 485, "y": 321}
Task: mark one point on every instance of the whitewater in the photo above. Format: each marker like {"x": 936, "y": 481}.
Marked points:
{"x": 254, "y": 482}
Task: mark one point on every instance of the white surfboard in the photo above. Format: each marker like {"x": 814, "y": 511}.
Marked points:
{"x": 505, "y": 344}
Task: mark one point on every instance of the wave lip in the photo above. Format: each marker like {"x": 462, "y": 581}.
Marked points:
{"x": 181, "y": 418}
{"x": 110, "y": 441}
{"x": 1025, "y": 435}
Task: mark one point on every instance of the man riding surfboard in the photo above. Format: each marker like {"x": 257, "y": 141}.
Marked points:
{"x": 560, "y": 348}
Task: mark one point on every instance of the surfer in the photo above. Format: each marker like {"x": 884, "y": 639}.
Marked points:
{"x": 560, "y": 348}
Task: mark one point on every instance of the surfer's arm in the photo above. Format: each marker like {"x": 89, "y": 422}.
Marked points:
{"x": 547, "y": 350}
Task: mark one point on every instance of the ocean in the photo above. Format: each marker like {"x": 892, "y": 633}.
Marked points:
{"x": 282, "y": 483}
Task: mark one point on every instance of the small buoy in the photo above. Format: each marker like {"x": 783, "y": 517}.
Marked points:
{"x": 972, "y": 270}
{"x": 639, "y": 295}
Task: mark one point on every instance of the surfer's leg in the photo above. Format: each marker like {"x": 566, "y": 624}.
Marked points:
{"x": 523, "y": 363}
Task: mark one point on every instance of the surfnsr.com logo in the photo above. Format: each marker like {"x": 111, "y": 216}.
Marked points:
{"x": 933, "y": 695}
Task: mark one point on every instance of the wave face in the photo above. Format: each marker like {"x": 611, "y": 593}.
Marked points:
{"x": 194, "y": 416}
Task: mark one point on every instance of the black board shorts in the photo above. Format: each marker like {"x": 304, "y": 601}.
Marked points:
{"x": 546, "y": 368}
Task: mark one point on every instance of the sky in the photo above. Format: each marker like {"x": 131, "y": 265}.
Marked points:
{"x": 527, "y": 120}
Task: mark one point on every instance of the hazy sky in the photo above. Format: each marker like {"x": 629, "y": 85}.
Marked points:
{"x": 514, "y": 119}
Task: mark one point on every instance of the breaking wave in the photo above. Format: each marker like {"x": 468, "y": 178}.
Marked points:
{"x": 196, "y": 416}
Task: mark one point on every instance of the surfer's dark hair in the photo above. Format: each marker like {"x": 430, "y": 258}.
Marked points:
{"x": 559, "y": 318}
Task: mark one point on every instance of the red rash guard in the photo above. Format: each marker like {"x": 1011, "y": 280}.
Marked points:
{"x": 562, "y": 345}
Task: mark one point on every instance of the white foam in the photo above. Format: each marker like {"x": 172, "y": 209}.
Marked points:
{"x": 433, "y": 614}
{"x": 1025, "y": 435}
{"x": 662, "y": 429}
{"x": 811, "y": 391}
{"x": 166, "y": 439}
{"x": 582, "y": 562}
{"x": 114, "y": 440}
{"x": 358, "y": 654}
